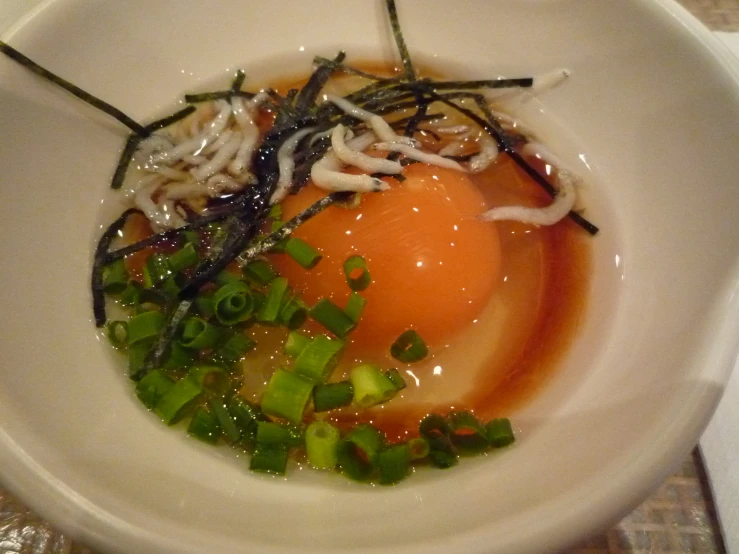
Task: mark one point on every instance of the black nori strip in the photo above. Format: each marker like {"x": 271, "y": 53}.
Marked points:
{"x": 217, "y": 95}
{"x": 170, "y": 119}
{"x": 348, "y": 69}
{"x": 112, "y": 111}
{"x": 99, "y": 262}
{"x": 124, "y": 161}
{"x": 238, "y": 81}
{"x": 521, "y": 82}
{"x": 273, "y": 238}
{"x": 175, "y": 315}
{"x": 405, "y": 57}
{"x": 307, "y": 96}
{"x": 497, "y": 132}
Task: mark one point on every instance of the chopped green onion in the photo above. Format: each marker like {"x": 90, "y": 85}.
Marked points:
{"x": 393, "y": 464}
{"x": 156, "y": 270}
{"x": 332, "y": 395}
{"x": 212, "y": 378}
{"x": 204, "y": 306}
{"x": 467, "y": 432}
{"x": 204, "y": 426}
{"x": 234, "y": 348}
{"x": 441, "y": 453}
{"x": 117, "y": 333}
{"x": 145, "y": 325}
{"x": 227, "y": 277}
{"x": 296, "y": 343}
{"x": 153, "y": 386}
{"x": 269, "y": 459}
{"x": 357, "y": 451}
{"x": 357, "y": 274}
{"x": 355, "y": 306}
{"x": 321, "y": 442}
{"x": 275, "y": 212}
{"x": 183, "y": 258}
{"x": 260, "y": 272}
{"x": 179, "y": 357}
{"x": 409, "y": 347}
{"x": 115, "y": 277}
{"x": 302, "y": 252}
{"x": 170, "y": 287}
{"x": 293, "y": 314}
{"x": 371, "y": 386}
{"x": 246, "y": 415}
{"x": 171, "y": 405}
{"x": 191, "y": 237}
{"x": 137, "y": 356}
{"x": 131, "y": 295}
{"x": 286, "y": 395}
{"x": 318, "y": 358}
{"x": 271, "y": 308}
{"x": 332, "y": 317}
{"x": 394, "y": 375}
{"x": 233, "y": 303}
{"x": 225, "y": 420}
{"x": 436, "y": 430}
{"x": 199, "y": 334}
{"x": 500, "y": 432}
{"x": 238, "y": 80}
{"x": 419, "y": 448}
{"x": 269, "y": 432}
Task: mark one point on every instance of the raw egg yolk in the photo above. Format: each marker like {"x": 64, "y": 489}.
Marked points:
{"x": 433, "y": 264}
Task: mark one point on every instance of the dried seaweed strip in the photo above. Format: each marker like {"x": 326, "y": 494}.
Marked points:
{"x": 170, "y": 119}
{"x": 238, "y": 81}
{"x": 217, "y": 95}
{"x": 119, "y": 175}
{"x": 99, "y": 262}
{"x": 309, "y": 93}
{"x": 410, "y": 73}
{"x": 95, "y": 102}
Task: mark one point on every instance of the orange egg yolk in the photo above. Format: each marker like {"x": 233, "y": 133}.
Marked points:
{"x": 433, "y": 265}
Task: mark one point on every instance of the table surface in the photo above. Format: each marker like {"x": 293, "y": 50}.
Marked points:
{"x": 678, "y": 518}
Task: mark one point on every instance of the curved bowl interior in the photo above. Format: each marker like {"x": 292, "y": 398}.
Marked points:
{"x": 652, "y": 111}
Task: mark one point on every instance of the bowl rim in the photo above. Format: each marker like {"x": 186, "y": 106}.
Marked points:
{"x": 49, "y": 496}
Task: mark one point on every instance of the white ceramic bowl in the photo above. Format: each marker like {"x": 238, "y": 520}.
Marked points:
{"x": 653, "y": 106}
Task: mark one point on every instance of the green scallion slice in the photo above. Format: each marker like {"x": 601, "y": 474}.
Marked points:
{"x": 269, "y": 432}
{"x": 394, "y": 375}
{"x": 419, "y": 448}
{"x": 156, "y": 269}
{"x": 204, "y": 306}
{"x": 500, "y": 432}
{"x": 204, "y": 426}
{"x": 199, "y": 334}
{"x": 172, "y": 405}
{"x": 246, "y": 415}
{"x": 131, "y": 295}
{"x": 179, "y": 357}
{"x": 225, "y": 420}
{"x": 293, "y": 313}
{"x": 233, "y": 303}
{"x": 302, "y": 252}
{"x": 137, "y": 356}
{"x": 371, "y": 386}
{"x": 115, "y": 277}
{"x": 355, "y": 306}
{"x": 184, "y": 258}
{"x": 393, "y": 464}
{"x": 269, "y": 459}
{"x": 332, "y": 395}
{"x": 234, "y": 348}
{"x": 153, "y": 386}
{"x": 286, "y": 395}
{"x": 467, "y": 432}
{"x": 321, "y": 442}
{"x": 318, "y": 358}
{"x": 117, "y": 333}
{"x": 436, "y": 430}
{"x": 357, "y": 452}
{"x": 260, "y": 272}
{"x": 409, "y": 347}
{"x": 357, "y": 274}
{"x": 270, "y": 310}
{"x": 144, "y": 326}
{"x": 296, "y": 343}
{"x": 332, "y": 317}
